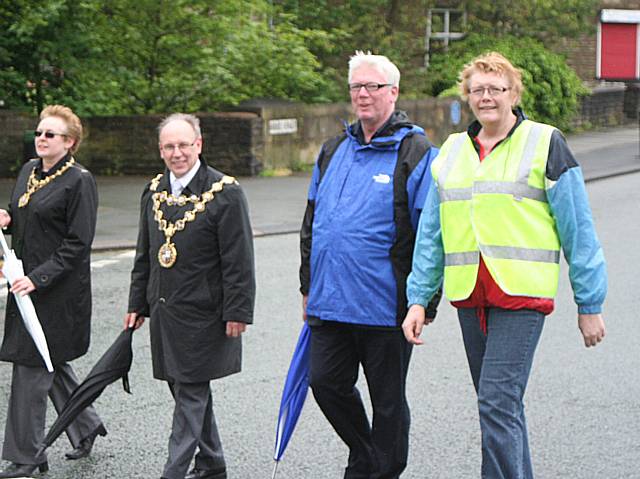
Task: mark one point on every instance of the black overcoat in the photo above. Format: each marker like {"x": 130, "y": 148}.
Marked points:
{"x": 211, "y": 282}
{"x": 52, "y": 235}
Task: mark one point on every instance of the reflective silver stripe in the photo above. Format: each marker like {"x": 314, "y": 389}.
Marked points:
{"x": 452, "y": 156}
{"x": 508, "y": 188}
{"x": 462, "y": 259}
{"x": 524, "y": 254}
{"x": 529, "y": 152}
{"x": 455, "y": 194}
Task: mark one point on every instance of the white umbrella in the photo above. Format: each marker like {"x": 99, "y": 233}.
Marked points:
{"x": 12, "y": 270}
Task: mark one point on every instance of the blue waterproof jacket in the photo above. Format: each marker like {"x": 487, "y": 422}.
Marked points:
{"x": 363, "y": 209}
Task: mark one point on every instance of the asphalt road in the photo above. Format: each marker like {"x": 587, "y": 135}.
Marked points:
{"x": 583, "y": 404}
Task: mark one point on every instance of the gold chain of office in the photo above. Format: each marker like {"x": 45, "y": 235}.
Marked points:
{"x": 34, "y": 185}
{"x": 167, "y": 254}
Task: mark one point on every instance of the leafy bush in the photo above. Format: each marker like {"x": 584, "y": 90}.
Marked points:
{"x": 551, "y": 88}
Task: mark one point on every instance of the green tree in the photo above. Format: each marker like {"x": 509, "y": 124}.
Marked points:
{"x": 121, "y": 56}
{"x": 551, "y": 88}
{"x": 39, "y": 42}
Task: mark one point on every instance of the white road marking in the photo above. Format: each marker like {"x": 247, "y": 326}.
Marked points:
{"x": 94, "y": 265}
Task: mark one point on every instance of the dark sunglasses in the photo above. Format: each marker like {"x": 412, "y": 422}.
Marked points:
{"x": 47, "y": 134}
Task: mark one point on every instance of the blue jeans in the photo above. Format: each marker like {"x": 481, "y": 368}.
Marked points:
{"x": 500, "y": 363}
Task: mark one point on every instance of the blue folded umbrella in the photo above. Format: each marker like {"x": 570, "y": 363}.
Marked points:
{"x": 293, "y": 394}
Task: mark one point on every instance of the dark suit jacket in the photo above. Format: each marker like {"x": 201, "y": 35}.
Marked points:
{"x": 53, "y": 235}
{"x": 212, "y": 282}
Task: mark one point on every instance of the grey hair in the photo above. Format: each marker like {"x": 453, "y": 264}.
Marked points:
{"x": 192, "y": 120}
{"x": 378, "y": 62}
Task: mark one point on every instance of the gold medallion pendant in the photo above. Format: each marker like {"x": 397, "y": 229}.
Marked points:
{"x": 167, "y": 255}
{"x": 34, "y": 185}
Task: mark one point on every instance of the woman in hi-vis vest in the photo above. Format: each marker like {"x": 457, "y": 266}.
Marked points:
{"x": 507, "y": 196}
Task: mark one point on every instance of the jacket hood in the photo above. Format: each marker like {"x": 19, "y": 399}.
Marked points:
{"x": 397, "y": 121}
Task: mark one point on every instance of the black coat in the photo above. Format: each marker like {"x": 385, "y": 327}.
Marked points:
{"x": 53, "y": 235}
{"x": 211, "y": 282}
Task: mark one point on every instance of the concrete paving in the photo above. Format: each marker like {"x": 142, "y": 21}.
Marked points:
{"x": 277, "y": 204}
{"x": 582, "y": 404}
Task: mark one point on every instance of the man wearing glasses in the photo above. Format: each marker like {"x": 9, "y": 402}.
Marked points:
{"x": 193, "y": 274}
{"x": 365, "y": 198}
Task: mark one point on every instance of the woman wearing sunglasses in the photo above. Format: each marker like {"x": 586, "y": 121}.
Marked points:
{"x": 52, "y": 218}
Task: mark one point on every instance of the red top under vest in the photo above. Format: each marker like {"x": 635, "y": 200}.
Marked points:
{"x": 487, "y": 293}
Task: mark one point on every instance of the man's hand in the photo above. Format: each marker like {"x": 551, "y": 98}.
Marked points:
{"x": 5, "y": 218}
{"x": 305, "y": 300}
{"x": 413, "y": 324}
{"x": 235, "y": 329}
{"x": 592, "y": 328}
{"x": 133, "y": 320}
{"x": 22, "y": 286}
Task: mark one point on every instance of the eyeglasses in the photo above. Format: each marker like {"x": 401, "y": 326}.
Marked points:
{"x": 47, "y": 134}
{"x": 370, "y": 87}
{"x": 492, "y": 90}
{"x": 183, "y": 147}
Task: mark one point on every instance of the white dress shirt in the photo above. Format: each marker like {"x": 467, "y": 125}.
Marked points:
{"x": 179, "y": 184}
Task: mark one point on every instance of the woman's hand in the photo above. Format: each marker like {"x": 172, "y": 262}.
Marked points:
{"x": 592, "y": 328}
{"x": 22, "y": 286}
{"x": 413, "y": 324}
{"x": 5, "y": 218}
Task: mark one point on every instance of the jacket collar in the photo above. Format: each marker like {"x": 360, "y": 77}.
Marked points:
{"x": 43, "y": 174}
{"x": 196, "y": 186}
{"x": 386, "y": 133}
{"x": 475, "y": 127}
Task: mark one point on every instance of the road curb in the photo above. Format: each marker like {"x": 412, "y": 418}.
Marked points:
{"x": 288, "y": 229}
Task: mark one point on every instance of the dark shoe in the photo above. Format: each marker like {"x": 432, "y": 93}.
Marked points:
{"x": 217, "y": 473}
{"x": 22, "y": 470}
{"x": 85, "y": 446}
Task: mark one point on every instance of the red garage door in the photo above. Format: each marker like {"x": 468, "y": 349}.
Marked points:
{"x": 618, "y": 51}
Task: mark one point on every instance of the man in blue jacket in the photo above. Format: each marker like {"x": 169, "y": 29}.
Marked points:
{"x": 366, "y": 194}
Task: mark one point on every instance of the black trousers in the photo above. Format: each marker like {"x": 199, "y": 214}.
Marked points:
{"x": 377, "y": 450}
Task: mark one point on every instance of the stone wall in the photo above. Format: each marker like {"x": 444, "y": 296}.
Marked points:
{"x": 128, "y": 145}
{"x": 14, "y": 126}
{"x": 604, "y": 107}
{"x": 294, "y": 132}
{"x": 267, "y": 134}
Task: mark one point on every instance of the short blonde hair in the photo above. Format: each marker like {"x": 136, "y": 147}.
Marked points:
{"x": 74, "y": 125}
{"x": 492, "y": 62}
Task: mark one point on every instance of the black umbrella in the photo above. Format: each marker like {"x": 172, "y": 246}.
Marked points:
{"x": 113, "y": 365}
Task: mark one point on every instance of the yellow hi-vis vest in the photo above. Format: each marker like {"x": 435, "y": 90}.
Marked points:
{"x": 498, "y": 208}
